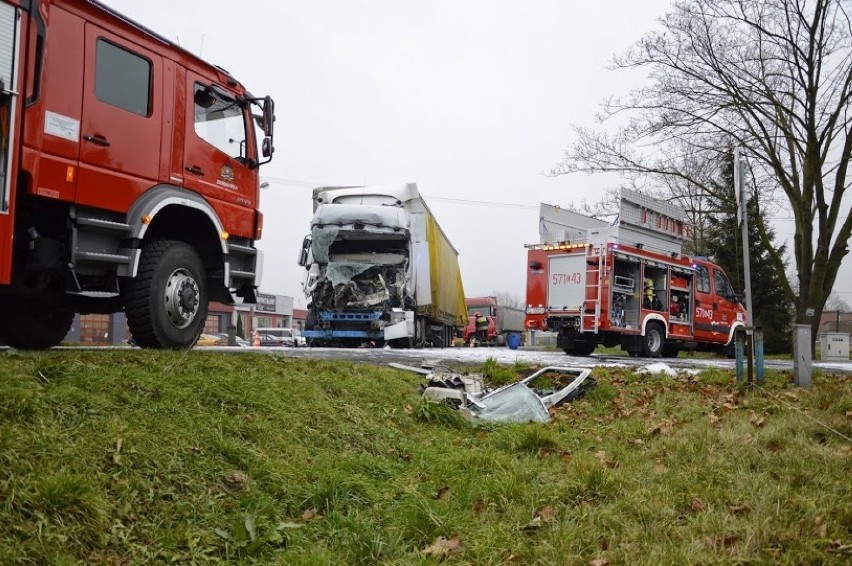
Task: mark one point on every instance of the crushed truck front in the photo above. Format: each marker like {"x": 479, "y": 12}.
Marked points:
{"x": 379, "y": 269}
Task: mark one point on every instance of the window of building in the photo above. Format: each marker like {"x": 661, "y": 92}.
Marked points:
{"x": 94, "y": 329}
{"x": 212, "y": 325}
{"x": 122, "y": 79}
{"x": 219, "y": 121}
{"x": 703, "y": 280}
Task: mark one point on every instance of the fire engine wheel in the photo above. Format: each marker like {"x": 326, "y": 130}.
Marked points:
{"x": 729, "y": 350}
{"x": 652, "y": 342}
{"x": 32, "y": 327}
{"x": 581, "y": 349}
{"x": 670, "y": 351}
{"x": 166, "y": 304}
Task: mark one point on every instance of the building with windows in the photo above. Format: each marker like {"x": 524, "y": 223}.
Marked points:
{"x": 274, "y": 311}
{"x": 835, "y": 321}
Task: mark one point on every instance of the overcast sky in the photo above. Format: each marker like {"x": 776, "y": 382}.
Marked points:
{"x": 470, "y": 99}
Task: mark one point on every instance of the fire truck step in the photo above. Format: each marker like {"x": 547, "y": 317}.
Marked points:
{"x": 94, "y": 294}
{"x": 103, "y": 224}
{"x": 102, "y": 257}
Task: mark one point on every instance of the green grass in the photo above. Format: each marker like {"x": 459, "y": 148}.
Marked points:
{"x": 138, "y": 457}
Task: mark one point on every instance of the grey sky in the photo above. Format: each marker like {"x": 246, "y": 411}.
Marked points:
{"x": 470, "y": 99}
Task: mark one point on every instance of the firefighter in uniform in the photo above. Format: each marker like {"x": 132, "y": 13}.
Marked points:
{"x": 481, "y": 328}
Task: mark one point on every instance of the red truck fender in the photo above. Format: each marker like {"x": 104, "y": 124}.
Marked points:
{"x": 143, "y": 214}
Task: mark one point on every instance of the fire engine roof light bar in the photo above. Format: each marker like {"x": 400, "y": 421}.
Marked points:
{"x": 559, "y": 246}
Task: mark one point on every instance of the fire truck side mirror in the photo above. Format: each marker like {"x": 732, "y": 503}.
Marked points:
{"x": 266, "y": 147}
{"x": 268, "y": 117}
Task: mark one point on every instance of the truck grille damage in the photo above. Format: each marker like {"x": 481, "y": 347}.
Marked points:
{"x": 361, "y": 286}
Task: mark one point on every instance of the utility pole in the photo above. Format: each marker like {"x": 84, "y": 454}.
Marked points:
{"x": 742, "y": 219}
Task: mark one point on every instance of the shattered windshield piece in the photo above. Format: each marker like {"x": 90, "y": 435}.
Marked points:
{"x": 515, "y": 403}
{"x": 321, "y": 240}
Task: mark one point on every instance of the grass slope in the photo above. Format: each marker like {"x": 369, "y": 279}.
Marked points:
{"x": 139, "y": 457}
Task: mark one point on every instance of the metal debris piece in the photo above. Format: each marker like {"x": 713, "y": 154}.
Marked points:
{"x": 516, "y": 402}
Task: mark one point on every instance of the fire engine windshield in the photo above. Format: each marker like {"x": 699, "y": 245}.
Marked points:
{"x": 220, "y": 121}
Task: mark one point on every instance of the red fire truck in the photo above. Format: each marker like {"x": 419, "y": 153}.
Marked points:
{"x": 628, "y": 284}
{"x": 129, "y": 177}
{"x": 502, "y": 319}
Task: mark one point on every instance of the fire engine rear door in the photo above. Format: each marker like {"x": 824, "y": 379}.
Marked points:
{"x": 566, "y": 285}
{"x": 9, "y": 102}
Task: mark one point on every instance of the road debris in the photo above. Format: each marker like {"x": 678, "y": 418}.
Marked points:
{"x": 528, "y": 400}
{"x": 664, "y": 368}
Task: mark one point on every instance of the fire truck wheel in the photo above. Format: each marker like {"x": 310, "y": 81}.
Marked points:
{"x": 652, "y": 342}
{"x": 166, "y": 304}
{"x": 670, "y": 351}
{"x": 729, "y": 350}
{"x": 30, "y": 327}
{"x": 582, "y": 349}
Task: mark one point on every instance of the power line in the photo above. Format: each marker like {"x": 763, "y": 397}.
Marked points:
{"x": 314, "y": 184}
{"x": 485, "y": 202}
{"x": 293, "y": 182}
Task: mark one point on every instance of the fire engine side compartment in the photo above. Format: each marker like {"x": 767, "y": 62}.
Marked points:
{"x": 13, "y": 50}
{"x": 566, "y": 283}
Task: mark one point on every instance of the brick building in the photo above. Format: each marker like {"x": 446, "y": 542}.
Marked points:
{"x": 109, "y": 329}
{"x": 835, "y": 321}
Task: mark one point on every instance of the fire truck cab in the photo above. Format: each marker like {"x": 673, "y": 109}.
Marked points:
{"x": 129, "y": 177}
{"x": 592, "y": 287}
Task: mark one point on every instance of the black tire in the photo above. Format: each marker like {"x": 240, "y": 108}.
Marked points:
{"x": 166, "y": 304}
{"x": 654, "y": 339}
{"x": 670, "y": 351}
{"x": 580, "y": 349}
{"x": 729, "y": 350}
{"x": 311, "y": 320}
{"x": 400, "y": 343}
{"x": 35, "y": 327}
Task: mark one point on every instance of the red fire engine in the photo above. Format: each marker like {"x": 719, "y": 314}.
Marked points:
{"x": 128, "y": 177}
{"x": 502, "y": 319}
{"x": 592, "y": 287}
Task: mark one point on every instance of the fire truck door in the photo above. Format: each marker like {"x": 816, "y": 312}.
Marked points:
{"x": 121, "y": 123}
{"x": 217, "y": 150}
{"x": 728, "y": 311}
{"x": 708, "y": 327}
{"x": 9, "y": 102}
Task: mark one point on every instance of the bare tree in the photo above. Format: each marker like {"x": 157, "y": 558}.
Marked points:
{"x": 508, "y": 299}
{"x": 772, "y": 76}
{"x": 836, "y": 303}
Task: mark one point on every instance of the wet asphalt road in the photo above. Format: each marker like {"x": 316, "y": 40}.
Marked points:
{"x": 536, "y": 357}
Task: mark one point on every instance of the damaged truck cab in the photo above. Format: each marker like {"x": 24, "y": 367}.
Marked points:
{"x": 379, "y": 270}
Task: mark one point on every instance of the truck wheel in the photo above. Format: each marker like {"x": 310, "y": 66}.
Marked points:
{"x": 670, "y": 351}
{"x": 652, "y": 342}
{"x": 580, "y": 349}
{"x": 399, "y": 343}
{"x": 31, "y": 327}
{"x": 166, "y": 304}
{"x": 729, "y": 350}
